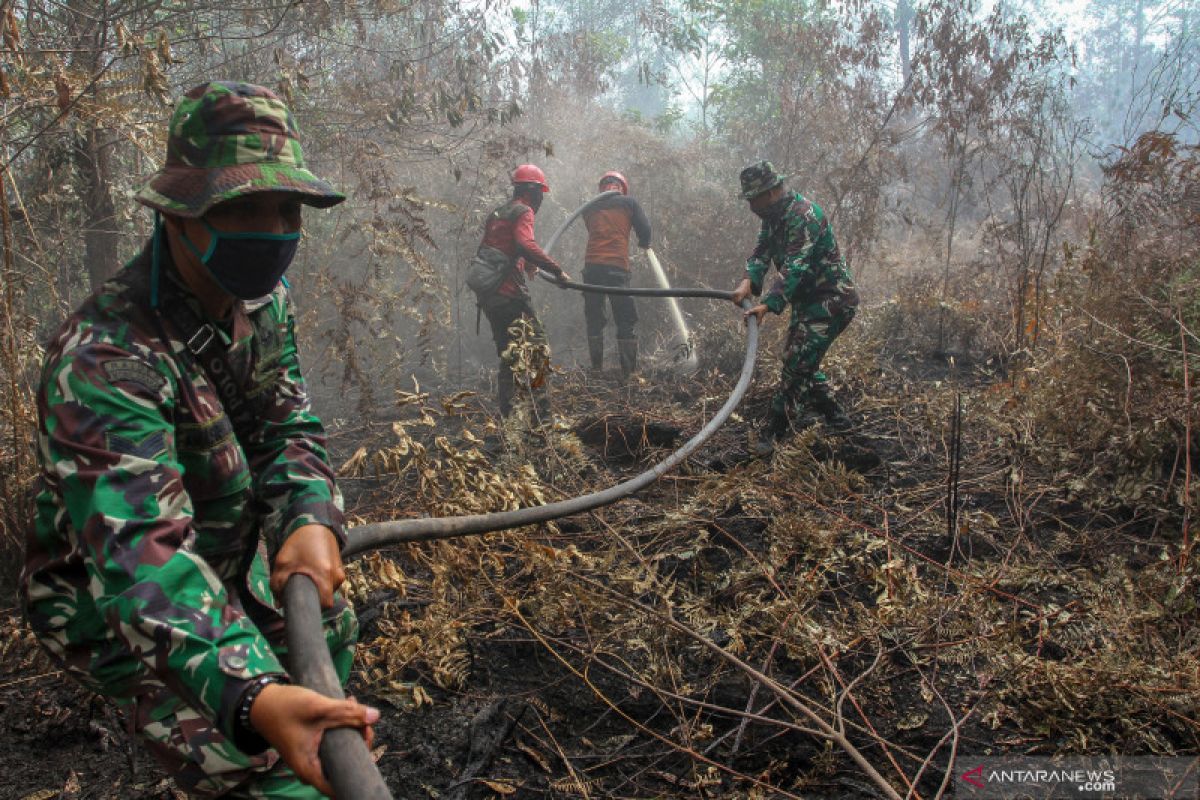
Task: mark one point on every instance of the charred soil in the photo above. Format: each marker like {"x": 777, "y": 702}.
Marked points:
{"x": 744, "y": 628}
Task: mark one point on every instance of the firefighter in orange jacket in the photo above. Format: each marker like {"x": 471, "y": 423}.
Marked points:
{"x": 606, "y": 263}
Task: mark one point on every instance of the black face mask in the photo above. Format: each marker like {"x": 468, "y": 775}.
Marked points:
{"x": 776, "y": 210}
{"x": 534, "y": 198}
{"x": 247, "y": 265}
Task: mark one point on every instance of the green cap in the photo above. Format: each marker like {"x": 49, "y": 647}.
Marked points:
{"x": 758, "y": 178}
{"x": 227, "y": 140}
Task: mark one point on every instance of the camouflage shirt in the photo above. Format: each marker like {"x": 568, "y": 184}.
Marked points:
{"x": 813, "y": 276}
{"x": 146, "y": 563}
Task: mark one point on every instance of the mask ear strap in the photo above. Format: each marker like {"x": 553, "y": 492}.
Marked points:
{"x": 213, "y": 237}
{"x": 155, "y": 259}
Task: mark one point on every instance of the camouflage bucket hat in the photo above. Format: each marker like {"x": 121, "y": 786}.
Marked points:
{"x": 758, "y": 178}
{"x": 227, "y": 140}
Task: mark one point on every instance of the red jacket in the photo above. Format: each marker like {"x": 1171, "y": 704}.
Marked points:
{"x": 509, "y": 230}
{"x": 608, "y": 223}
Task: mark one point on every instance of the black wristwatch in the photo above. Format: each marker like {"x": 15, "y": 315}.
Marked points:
{"x": 245, "y": 738}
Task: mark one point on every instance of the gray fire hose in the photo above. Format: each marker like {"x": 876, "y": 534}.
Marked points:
{"x": 383, "y": 534}
{"x": 638, "y": 292}
{"x": 344, "y": 756}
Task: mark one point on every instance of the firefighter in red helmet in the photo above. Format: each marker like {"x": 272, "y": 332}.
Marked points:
{"x": 506, "y": 256}
{"x": 606, "y": 263}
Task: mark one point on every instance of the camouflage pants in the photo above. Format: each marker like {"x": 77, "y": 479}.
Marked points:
{"x": 623, "y": 309}
{"x": 808, "y": 340}
{"x": 201, "y": 760}
{"x": 503, "y": 314}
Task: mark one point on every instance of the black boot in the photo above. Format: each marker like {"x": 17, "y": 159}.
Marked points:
{"x": 627, "y": 349}
{"x": 770, "y": 432}
{"x": 821, "y": 399}
{"x": 504, "y": 390}
{"x": 596, "y": 351}
{"x": 543, "y": 416}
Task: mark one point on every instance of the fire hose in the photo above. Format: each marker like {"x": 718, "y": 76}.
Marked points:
{"x": 344, "y": 756}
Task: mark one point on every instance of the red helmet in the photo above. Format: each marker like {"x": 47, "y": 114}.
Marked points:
{"x": 612, "y": 174}
{"x": 530, "y": 173}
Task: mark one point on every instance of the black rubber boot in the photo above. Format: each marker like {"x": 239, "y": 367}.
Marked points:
{"x": 627, "y": 349}
{"x": 543, "y": 415}
{"x": 771, "y": 431}
{"x": 596, "y": 351}
{"x": 821, "y": 399}
{"x": 504, "y": 390}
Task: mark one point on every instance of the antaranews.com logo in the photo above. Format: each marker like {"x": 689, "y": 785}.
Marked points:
{"x": 1082, "y": 778}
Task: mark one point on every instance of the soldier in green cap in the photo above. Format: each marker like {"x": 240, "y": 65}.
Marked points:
{"x": 813, "y": 278}
{"x": 184, "y": 476}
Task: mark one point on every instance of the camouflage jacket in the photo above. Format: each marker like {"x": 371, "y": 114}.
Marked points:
{"x": 813, "y": 276}
{"x": 146, "y": 563}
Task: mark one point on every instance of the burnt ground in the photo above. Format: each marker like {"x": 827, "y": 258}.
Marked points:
{"x": 829, "y": 567}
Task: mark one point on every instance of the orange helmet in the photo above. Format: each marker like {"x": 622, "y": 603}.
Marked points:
{"x": 530, "y": 173}
{"x": 613, "y": 175}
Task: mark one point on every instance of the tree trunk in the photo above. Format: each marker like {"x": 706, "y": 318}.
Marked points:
{"x": 904, "y": 14}
{"x": 92, "y": 149}
{"x": 93, "y": 161}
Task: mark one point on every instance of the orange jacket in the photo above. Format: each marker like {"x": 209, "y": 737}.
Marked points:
{"x": 608, "y": 223}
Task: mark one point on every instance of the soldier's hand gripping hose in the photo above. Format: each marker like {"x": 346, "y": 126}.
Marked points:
{"x": 743, "y": 290}
{"x": 758, "y": 312}
{"x": 314, "y": 551}
{"x": 294, "y": 720}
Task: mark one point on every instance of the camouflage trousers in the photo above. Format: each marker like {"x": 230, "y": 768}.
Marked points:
{"x": 524, "y": 353}
{"x": 809, "y": 338}
{"x": 200, "y": 759}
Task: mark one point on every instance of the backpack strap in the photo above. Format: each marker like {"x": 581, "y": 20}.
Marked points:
{"x": 203, "y": 343}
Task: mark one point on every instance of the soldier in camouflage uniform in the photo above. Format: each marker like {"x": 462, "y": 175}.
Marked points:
{"x": 164, "y": 534}
{"x": 814, "y": 279}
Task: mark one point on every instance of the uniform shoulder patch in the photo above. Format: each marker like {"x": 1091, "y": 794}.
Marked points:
{"x": 149, "y": 447}
{"x": 130, "y": 370}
